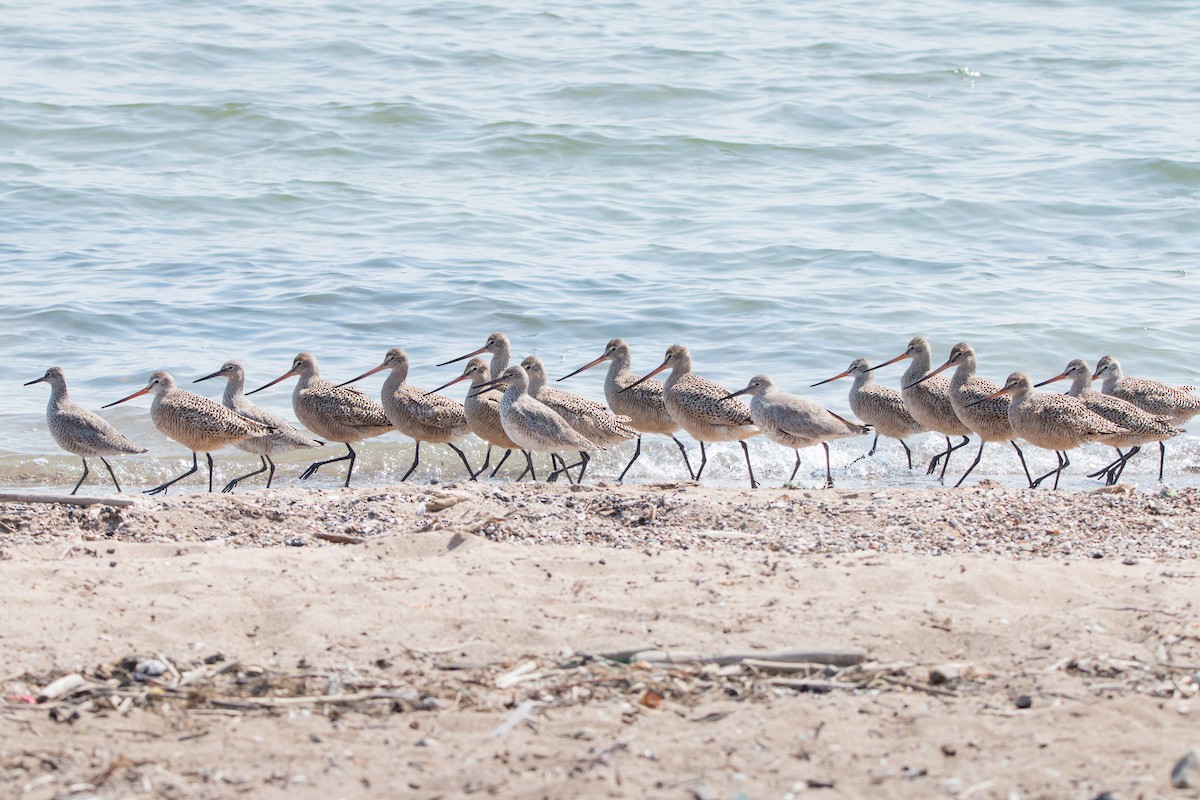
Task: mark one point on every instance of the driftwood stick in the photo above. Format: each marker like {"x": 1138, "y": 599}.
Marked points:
{"x": 249, "y": 703}
{"x": 825, "y": 655}
{"x": 64, "y": 499}
{"x": 338, "y": 538}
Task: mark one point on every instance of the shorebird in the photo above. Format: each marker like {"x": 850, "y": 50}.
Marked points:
{"x": 420, "y": 415}
{"x": 701, "y": 407}
{"x": 1055, "y": 422}
{"x": 596, "y": 423}
{"x": 881, "y": 407}
{"x": 645, "y": 406}
{"x": 483, "y": 413}
{"x": 283, "y": 438}
{"x": 80, "y": 431}
{"x": 987, "y": 419}
{"x": 794, "y": 421}
{"x": 1152, "y": 397}
{"x": 1144, "y": 427}
{"x": 333, "y": 413}
{"x": 196, "y": 422}
{"x": 928, "y": 401}
{"x": 534, "y": 426}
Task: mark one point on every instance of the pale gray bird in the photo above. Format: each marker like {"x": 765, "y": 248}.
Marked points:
{"x": 534, "y": 426}
{"x": 796, "y": 422}
{"x": 80, "y": 431}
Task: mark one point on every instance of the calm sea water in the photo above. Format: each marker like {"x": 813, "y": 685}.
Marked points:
{"x": 780, "y": 186}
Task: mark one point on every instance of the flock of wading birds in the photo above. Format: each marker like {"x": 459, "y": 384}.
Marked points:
{"x": 513, "y": 408}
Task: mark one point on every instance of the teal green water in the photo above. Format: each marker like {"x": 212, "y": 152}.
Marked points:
{"x": 782, "y": 187}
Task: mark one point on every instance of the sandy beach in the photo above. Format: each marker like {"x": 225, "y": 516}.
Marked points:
{"x": 602, "y": 641}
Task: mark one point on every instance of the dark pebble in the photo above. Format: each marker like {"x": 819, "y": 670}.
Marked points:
{"x": 1097, "y": 555}
{"x": 1024, "y": 701}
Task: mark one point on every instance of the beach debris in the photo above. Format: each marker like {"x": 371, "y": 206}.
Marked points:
{"x": 338, "y": 538}
{"x": 824, "y": 655}
{"x": 149, "y": 668}
{"x": 440, "y": 501}
{"x": 513, "y": 677}
{"x": 65, "y": 685}
{"x": 65, "y": 500}
{"x": 1004, "y": 522}
{"x": 522, "y": 713}
{"x": 1186, "y": 773}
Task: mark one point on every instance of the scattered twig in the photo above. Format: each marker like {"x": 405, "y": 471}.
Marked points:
{"x": 814, "y": 685}
{"x": 835, "y": 657}
{"x": 920, "y": 687}
{"x": 1140, "y": 609}
{"x": 439, "y": 651}
{"x": 252, "y": 703}
{"x": 515, "y": 676}
{"x": 522, "y": 713}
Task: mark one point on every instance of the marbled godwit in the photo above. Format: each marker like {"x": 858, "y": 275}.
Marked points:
{"x": 483, "y": 413}
{"x": 80, "y": 431}
{"x": 1151, "y": 396}
{"x": 987, "y": 419}
{"x": 596, "y": 423}
{"x": 645, "y": 405}
{"x": 701, "y": 407}
{"x": 199, "y": 424}
{"x": 1145, "y": 427}
{"x": 928, "y": 401}
{"x": 881, "y": 407}
{"x": 794, "y": 421}
{"x": 283, "y": 438}
{"x": 333, "y": 413}
{"x": 534, "y": 426}
{"x": 1055, "y": 422}
{"x": 420, "y": 415}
